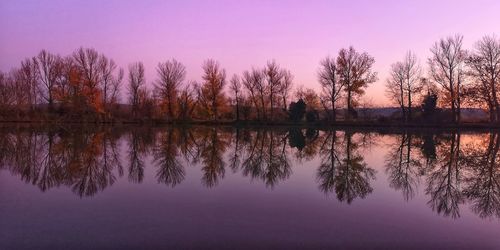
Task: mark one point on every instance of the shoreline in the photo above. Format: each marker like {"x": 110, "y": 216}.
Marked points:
{"x": 319, "y": 125}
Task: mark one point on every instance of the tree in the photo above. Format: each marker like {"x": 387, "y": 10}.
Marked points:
{"x": 88, "y": 66}
{"x": 187, "y": 102}
{"x": 211, "y": 93}
{"x": 395, "y": 86}
{"x": 260, "y": 87}
{"x": 429, "y": 104}
{"x": 331, "y": 87}
{"x": 6, "y": 97}
{"x": 26, "y": 80}
{"x": 286, "y": 86}
{"x": 248, "y": 82}
{"x": 446, "y": 69}
{"x": 171, "y": 75}
{"x": 274, "y": 78}
{"x": 355, "y": 73}
{"x": 404, "y": 83}
{"x": 484, "y": 68}
{"x": 309, "y": 96}
{"x": 297, "y": 110}
{"x": 136, "y": 83}
{"x": 68, "y": 91}
{"x": 235, "y": 88}
{"x": 110, "y": 81}
{"x": 50, "y": 69}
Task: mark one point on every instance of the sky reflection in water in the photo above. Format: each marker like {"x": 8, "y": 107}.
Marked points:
{"x": 207, "y": 187}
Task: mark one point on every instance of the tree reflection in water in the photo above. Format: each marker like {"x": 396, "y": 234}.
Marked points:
{"x": 404, "y": 164}
{"x": 483, "y": 179}
{"x": 266, "y": 157}
{"x": 343, "y": 169}
{"x": 444, "y": 177}
{"x": 170, "y": 171}
{"x": 451, "y": 168}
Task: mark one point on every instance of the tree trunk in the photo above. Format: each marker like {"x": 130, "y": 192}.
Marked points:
{"x": 237, "y": 109}
{"x": 272, "y": 104}
{"x": 334, "y": 114}
{"x": 403, "y": 111}
{"x": 409, "y": 106}
{"x": 453, "y": 111}
{"x": 348, "y": 116}
{"x": 492, "y": 112}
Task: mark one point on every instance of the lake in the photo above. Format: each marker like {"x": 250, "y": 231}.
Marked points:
{"x": 248, "y": 188}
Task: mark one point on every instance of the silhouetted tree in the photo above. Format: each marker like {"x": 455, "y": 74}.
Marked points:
{"x": 171, "y": 74}
{"x": 254, "y": 82}
{"x": 111, "y": 79}
{"x": 331, "y": 87}
{"x": 404, "y": 83}
{"x": 297, "y": 110}
{"x": 309, "y": 96}
{"x": 211, "y": 95}
{"x": 235, "y": 88}
{"x": 136, "y": 81}
{"x": 447, "y": 69}
{"x": 286, "y": 86}
{"x": 484, "y": 65}
{"x": 26, "y": 83}
{"x": 187, "y": 101}
{"x": 88, "y": 66}
{"x": 6, "y": 97}
{"x": 429, "y": 104}
{"x": 355, "y": 73}
{"x": 50, "y": 69}
{"x": 273, "y": 76}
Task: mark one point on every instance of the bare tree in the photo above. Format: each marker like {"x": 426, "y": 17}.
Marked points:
{"x": 68, "y": 90}
{"x": 235, "y": 87}
{"x": 355, "y": 73}
{"x": 395, "y": 86}
{"x": 331, "y": 87}
{"x": 171, "y": 75}
{"x": 6, "y": 97}
{"x": 87, "y": 63}
{"x": 187, "y": 101}
{"x": 211, "y": 93}
{"x": 26, "y": 80}
{"x": 50, "y": 69}
{"x": 253, "y": 81}
{"x": 110, "y": 81}
{"x": 136, "y": 83}
{"x": 446, "y": 69}
{"x": 404, "y": 83}
{"x": 286, "y": 86}
{"x": 484, "y": 68}
{"x": 413, "y": 79}
{"x": 274, "y": 78}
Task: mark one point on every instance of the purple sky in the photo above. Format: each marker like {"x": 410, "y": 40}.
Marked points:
{"x": 241, "y": 34}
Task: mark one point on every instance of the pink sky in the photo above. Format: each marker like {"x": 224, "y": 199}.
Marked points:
{"x": 241, "y": 34}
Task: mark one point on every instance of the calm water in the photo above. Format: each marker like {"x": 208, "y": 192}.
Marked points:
{"x": 206, "y": 187}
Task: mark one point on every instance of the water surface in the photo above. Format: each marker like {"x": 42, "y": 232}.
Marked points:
{"x": 226, "y": 188}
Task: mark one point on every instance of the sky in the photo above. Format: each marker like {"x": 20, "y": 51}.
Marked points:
{"x": 242, "y": 34}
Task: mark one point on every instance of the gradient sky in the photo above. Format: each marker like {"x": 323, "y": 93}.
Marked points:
{"x": 241, "y": 34}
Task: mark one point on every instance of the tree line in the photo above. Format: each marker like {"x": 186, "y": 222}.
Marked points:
{"x": 87, "y": 85}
